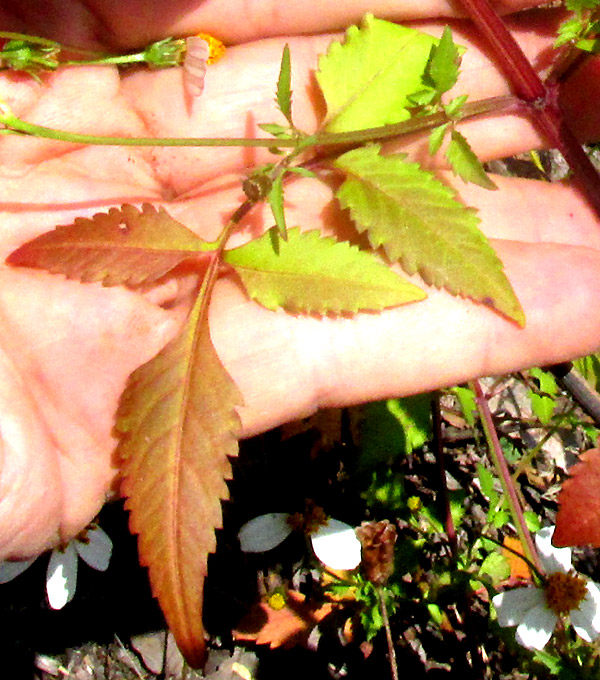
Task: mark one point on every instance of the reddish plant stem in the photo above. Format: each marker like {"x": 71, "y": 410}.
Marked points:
{"x": 388, "y": 634}
{"x": 542, "y": 100}
{"x": 506, "y": 480}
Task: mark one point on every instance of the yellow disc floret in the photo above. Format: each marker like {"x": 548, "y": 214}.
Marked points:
{"x": 564, "y": 592}
{"x": 216, "y": 49}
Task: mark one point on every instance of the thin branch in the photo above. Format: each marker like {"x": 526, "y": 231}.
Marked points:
{"x": 506, "y": 480}
{"x": 544, "y": 107}
{"x": 388, "y": 633}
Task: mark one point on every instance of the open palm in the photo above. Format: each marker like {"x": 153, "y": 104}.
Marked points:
{"x": 66, "y": 349}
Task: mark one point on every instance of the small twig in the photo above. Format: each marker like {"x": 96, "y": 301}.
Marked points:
{"x": 438, "y": 447}
{"x": 388, "y": 633}
{"x": 134, "y": 660}
{"x": 570, "y": 381}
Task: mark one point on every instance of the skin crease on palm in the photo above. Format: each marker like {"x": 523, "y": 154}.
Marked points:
{"x": 67, "y": 348}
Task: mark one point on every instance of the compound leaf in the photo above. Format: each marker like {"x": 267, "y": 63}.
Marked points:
{"x": 125, "y": 246}
{"x": 179, "y": 426}
{"x": 367, "y": 80}
{"x": 312, "y": 273}
{"x": 418, "y": 221}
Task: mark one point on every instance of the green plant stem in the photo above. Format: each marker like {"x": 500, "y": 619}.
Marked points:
{"x": 506, "y": 480}
{"x": 10, "y": 35}
{"x": 14, "y": 125}
{"x": 119, "y": 60}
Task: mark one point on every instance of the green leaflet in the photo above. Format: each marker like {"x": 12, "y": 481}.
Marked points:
{"x": 465, "y": 163}
{"x": 419, "y": 222}
{"x": 284, "y": 92}
{"x": 366, "y": 81}
{"x": 442, "y": 68}
{"x": 275, "y": 198}
{"x": 311, "y": 273}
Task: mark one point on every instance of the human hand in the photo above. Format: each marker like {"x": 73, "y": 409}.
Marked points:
{"x": 67, "y": 348}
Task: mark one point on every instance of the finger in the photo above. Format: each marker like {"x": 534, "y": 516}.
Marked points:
{"x": 239, "y": 91}
{"x": 287, "y": 366}
{"x": 438, "y": 342}
{"x": 137, "y": 22}
{"x": 66, "y": 352}
{"x": 237, "y": 98}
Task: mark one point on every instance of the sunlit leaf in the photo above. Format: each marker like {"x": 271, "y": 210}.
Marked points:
{"x": 284, "y": 92}
{"x": 367, "y": 79}
{"x": 589, "y": 367}
{"x": 496, "y": 566}
{"x": 468, "y": 406}
{"x": 436, "y": 138}
{"x": 453, "y": 108}
{"x": 394, "y": 428}
{"x": 543, "y": 403}
{"x": 442, "y": 68}
{"x": 418, "y": 221}
{"x": 276, "y": 130}
{"x": 579, "y": 504}
{"x": 179, "y": 426}
{"x": 465, "y": 163}
{"x": 123, "y": 246}
{"x": 312, "y": 273}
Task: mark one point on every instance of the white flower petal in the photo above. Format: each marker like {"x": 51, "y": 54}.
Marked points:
{"x": 513, "y": 605}
{"x": 194, "y": 65}
{"x": 10, "y": 570}
{"x": 586, "y": 619}
{"x": 552, "y": 559}
{"x": 61, "y": 577}
{"x": 97, "y": 550}
{"x": 264, "y": 532}
{"x": 537, "y": 628}
{"x": 336, "y": 545}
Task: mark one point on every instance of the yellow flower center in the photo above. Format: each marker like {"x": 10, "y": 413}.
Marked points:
{"x": 564, "y": 592}
{"x": 216, "y": 49}
{"x": 276, "y": 601}
{"x": 310, "y": 520}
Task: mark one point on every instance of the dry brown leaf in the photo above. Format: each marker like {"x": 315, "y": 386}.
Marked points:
{"x": 179, "y": 426}
{"x": 285, "y": 627}
{"x": 519, "y": 569}
{"x": 578, "y": 517}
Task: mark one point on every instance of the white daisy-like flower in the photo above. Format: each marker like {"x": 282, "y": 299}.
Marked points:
{"x": 333, "y": 542}
{"x": 93, "y": 546}
{"x": 536, "y": 610}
